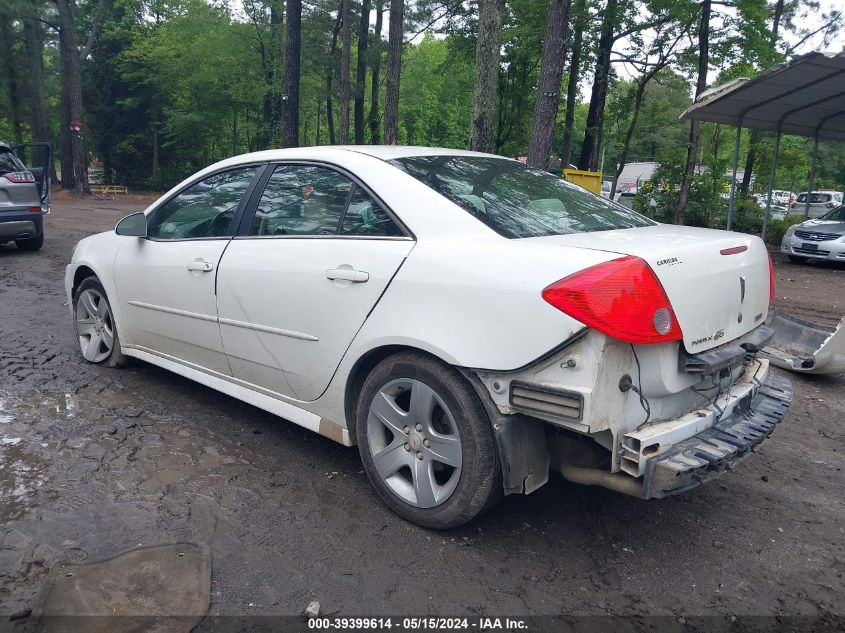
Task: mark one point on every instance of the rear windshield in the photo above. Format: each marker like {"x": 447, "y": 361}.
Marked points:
{"x": 516, "y": 200}
{"x": 9, "y": 162}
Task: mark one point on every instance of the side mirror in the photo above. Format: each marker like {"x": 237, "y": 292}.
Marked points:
{"x": 134, "y": 225}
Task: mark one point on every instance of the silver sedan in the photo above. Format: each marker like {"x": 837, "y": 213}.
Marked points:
{"x": 818, "y": 238}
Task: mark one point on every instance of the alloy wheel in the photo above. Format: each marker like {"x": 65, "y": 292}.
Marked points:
{"x": 94, "y": 326}
{"x": 414, "y": 442}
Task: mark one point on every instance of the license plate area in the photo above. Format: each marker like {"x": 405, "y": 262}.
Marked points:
{"x": 809, "y": 246}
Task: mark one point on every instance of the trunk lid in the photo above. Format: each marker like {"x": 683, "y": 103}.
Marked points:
{"x": 717, "y": 281}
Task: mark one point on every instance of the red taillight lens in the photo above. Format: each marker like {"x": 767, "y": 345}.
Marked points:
{"x": 18, "y": 177}
{"x": 772, "y": 294}
{"x": 622, "y": 298}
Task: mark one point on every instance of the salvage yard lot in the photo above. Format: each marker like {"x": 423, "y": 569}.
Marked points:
{"x": 94, "y": 461}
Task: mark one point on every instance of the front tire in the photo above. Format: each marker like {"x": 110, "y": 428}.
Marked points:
{"x": 94, "y": 324}
{"x": 426, "y": 442}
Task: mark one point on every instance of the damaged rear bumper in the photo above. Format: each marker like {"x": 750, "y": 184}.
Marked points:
{"x": 719, "y": 448}
{"x": 805, "y": 347}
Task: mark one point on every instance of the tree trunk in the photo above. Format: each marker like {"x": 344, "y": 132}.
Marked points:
{"x": 695, "y": 126}
{"x": 572, "y": 85}
{"x": 394, "y": 70}
{"x": 548, "y": 89}
{"x": 638, "y": 102}
{"x": 293, "y": 46}
{"x": 487, "y": 54}
{"x": 374, "y": 89}
{"x": 591, "y": 147}
{"x": 11, "y": 77}
{"x": 345, "y": 60}
{"x": 35, "y": 67}
{"x": 271, "y": 104}
{"x": 361, "y": 71}
{"x": 317, "y": 126}
{"x": 329, "y": 78}
{"x": 755, "y": 134}
{"x": 74, "y": 165}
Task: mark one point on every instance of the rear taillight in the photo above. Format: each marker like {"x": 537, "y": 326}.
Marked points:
{"x": 771, "y": 280}
{"x": 622, "y": 298}
{"x": 18, "y": 177}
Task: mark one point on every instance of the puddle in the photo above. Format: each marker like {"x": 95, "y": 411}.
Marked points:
{"x": 21, "y": 475}
{"x": 64, "y": 405}
{"x": 5, "y": 418}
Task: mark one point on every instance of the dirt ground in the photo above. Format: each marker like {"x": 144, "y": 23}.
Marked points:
{"x": 94, "y": 461}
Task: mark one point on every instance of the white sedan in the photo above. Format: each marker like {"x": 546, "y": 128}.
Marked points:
{"x": 469, "y": 322}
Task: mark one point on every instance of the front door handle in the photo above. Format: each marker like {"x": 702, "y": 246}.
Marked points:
{"x": 348, "y": 274}
{"x": 200, "y": 266}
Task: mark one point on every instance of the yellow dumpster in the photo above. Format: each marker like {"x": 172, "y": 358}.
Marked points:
{"x": 589, "y": 180}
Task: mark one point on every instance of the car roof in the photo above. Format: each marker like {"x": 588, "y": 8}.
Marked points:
{"x": 390, "y": 152}
{"x": 381, "y": 152}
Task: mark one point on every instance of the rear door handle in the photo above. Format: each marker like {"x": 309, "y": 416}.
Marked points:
{"x": 348, "y": 274}
{"x": 200, "y": 266}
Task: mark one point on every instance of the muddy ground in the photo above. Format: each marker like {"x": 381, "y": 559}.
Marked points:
{"x": 93, "y": 461}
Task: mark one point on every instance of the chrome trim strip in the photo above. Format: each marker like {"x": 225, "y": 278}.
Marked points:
{"x": 269, "y": 330}
{"x": 184, "y": 313}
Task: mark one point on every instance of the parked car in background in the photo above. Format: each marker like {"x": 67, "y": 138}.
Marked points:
{"x": 818, "y": 238}
{"x": 24, "y": 199}
{"x": 468, "y": 321}
{"x": 820, "y": 202}
{"x": 605, "y": 188}
{"x": 782, "y": 197}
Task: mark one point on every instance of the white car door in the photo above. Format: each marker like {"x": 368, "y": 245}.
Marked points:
{"x": 297, "y": 283}
{"x": 166, "y": 281}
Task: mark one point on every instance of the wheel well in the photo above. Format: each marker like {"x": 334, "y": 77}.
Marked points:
{"x": 82, "y": 273}
{"x": 362, "y": 368}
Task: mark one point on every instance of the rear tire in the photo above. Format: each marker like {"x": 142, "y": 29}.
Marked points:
{"x": 31, "y": 244}
{"x": 795, "y": 259}
{"x": 426, "y": 442}
{"x": 94, "y": 324}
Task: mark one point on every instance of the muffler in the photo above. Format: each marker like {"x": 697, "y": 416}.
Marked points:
{"x": 597, "y": 477}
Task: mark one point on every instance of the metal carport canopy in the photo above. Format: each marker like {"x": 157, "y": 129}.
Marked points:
{"x": 805, "y": 96}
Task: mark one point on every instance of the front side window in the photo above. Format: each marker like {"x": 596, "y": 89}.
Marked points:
{"x": 301, "y": 200}
{"x": 205, "y": 209}
{"x": 515, "y": 200}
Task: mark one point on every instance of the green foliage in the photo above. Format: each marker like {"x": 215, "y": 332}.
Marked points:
{"x": 777, "y": 228}
{"x": 436, "y": 98}
{"x": 194, "y": 81}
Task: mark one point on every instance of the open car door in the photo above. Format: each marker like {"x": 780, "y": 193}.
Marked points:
{"x": 806, "y": 347}
{"x": 38, "y": 159}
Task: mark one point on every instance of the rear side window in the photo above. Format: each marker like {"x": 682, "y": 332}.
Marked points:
{"x": 9, "y": 162}
{"x": 364, "y": 216}
{"x": 301, "y": 200}
{"x": 815, "y": 198}
{"x": 515, "y": 200}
